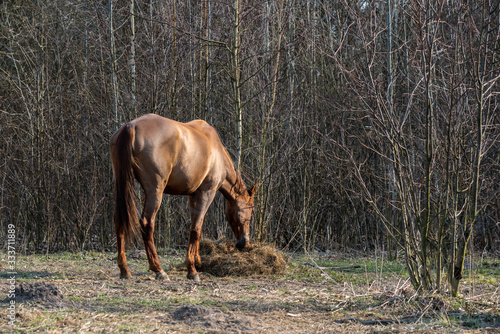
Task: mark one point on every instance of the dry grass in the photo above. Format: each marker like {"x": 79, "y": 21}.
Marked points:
{"x": 312, "y": 296}
{"x": 223, "y": 259}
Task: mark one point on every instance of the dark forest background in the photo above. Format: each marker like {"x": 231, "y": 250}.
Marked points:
{"x": 367, "y": 124}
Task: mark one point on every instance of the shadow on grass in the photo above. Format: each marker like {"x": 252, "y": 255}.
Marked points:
{"x": 28, "y": 274}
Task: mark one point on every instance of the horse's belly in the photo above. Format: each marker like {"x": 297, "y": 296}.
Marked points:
{"x": 184, "y": 182}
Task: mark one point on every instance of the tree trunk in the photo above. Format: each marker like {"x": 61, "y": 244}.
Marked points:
{"x": 235, "y": 48}
{"x": 132, "y": 59}
{"x": 114, "y": 81}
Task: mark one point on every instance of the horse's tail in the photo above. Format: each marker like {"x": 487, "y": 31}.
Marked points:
{"x": 125, "y": 217}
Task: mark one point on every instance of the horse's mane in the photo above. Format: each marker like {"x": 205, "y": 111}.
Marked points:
{"x": 239, "y": 185}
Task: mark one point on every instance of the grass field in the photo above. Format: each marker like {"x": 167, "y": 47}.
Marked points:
{"x": 81, "y": 292}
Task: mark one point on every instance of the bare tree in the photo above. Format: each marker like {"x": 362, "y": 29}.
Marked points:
{"x": 369, "y": 125}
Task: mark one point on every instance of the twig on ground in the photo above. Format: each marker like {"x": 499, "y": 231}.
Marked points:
{"x": 320, "y": 268}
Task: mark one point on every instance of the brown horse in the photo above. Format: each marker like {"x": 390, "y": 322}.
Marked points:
{"x": 169, "y": 157}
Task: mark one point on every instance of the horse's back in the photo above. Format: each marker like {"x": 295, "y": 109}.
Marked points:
{"x": 152, "y": 129}
{"x": 182, "y": 155}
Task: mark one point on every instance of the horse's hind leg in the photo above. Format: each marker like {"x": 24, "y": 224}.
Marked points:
{"x": 151, "y": 206}
{"x": 122, "y": 260}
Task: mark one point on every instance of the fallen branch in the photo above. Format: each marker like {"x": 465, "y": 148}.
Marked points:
{"x": 338, "y": 268}
{"x": 371, "y": 322}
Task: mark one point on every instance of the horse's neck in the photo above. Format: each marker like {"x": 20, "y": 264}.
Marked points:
{"x": 233, "y": 185}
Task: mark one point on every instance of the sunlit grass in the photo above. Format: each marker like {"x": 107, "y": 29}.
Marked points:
{"x": 337, "y": 285}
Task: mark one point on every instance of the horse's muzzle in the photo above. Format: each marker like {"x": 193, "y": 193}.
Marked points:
{"x": 240, "y": 244}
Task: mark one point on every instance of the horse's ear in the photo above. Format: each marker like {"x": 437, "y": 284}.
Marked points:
{"x": 252, "y": 190}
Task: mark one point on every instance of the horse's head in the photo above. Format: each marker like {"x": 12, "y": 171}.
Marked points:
{"x": 238, "y": 214}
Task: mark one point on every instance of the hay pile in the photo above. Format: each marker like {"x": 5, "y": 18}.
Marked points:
{"x": 224, "y": 259}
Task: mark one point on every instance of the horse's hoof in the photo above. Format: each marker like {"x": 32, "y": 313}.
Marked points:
{"x": 194, "y": 277}
{"x": 161, "y": 275}
{"x": 125, "y": 274}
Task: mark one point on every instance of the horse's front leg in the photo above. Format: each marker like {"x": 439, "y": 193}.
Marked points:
{"x": 198, "y": 206}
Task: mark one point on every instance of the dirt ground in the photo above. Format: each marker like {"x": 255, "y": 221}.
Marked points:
{"x": 81, "y": 293}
